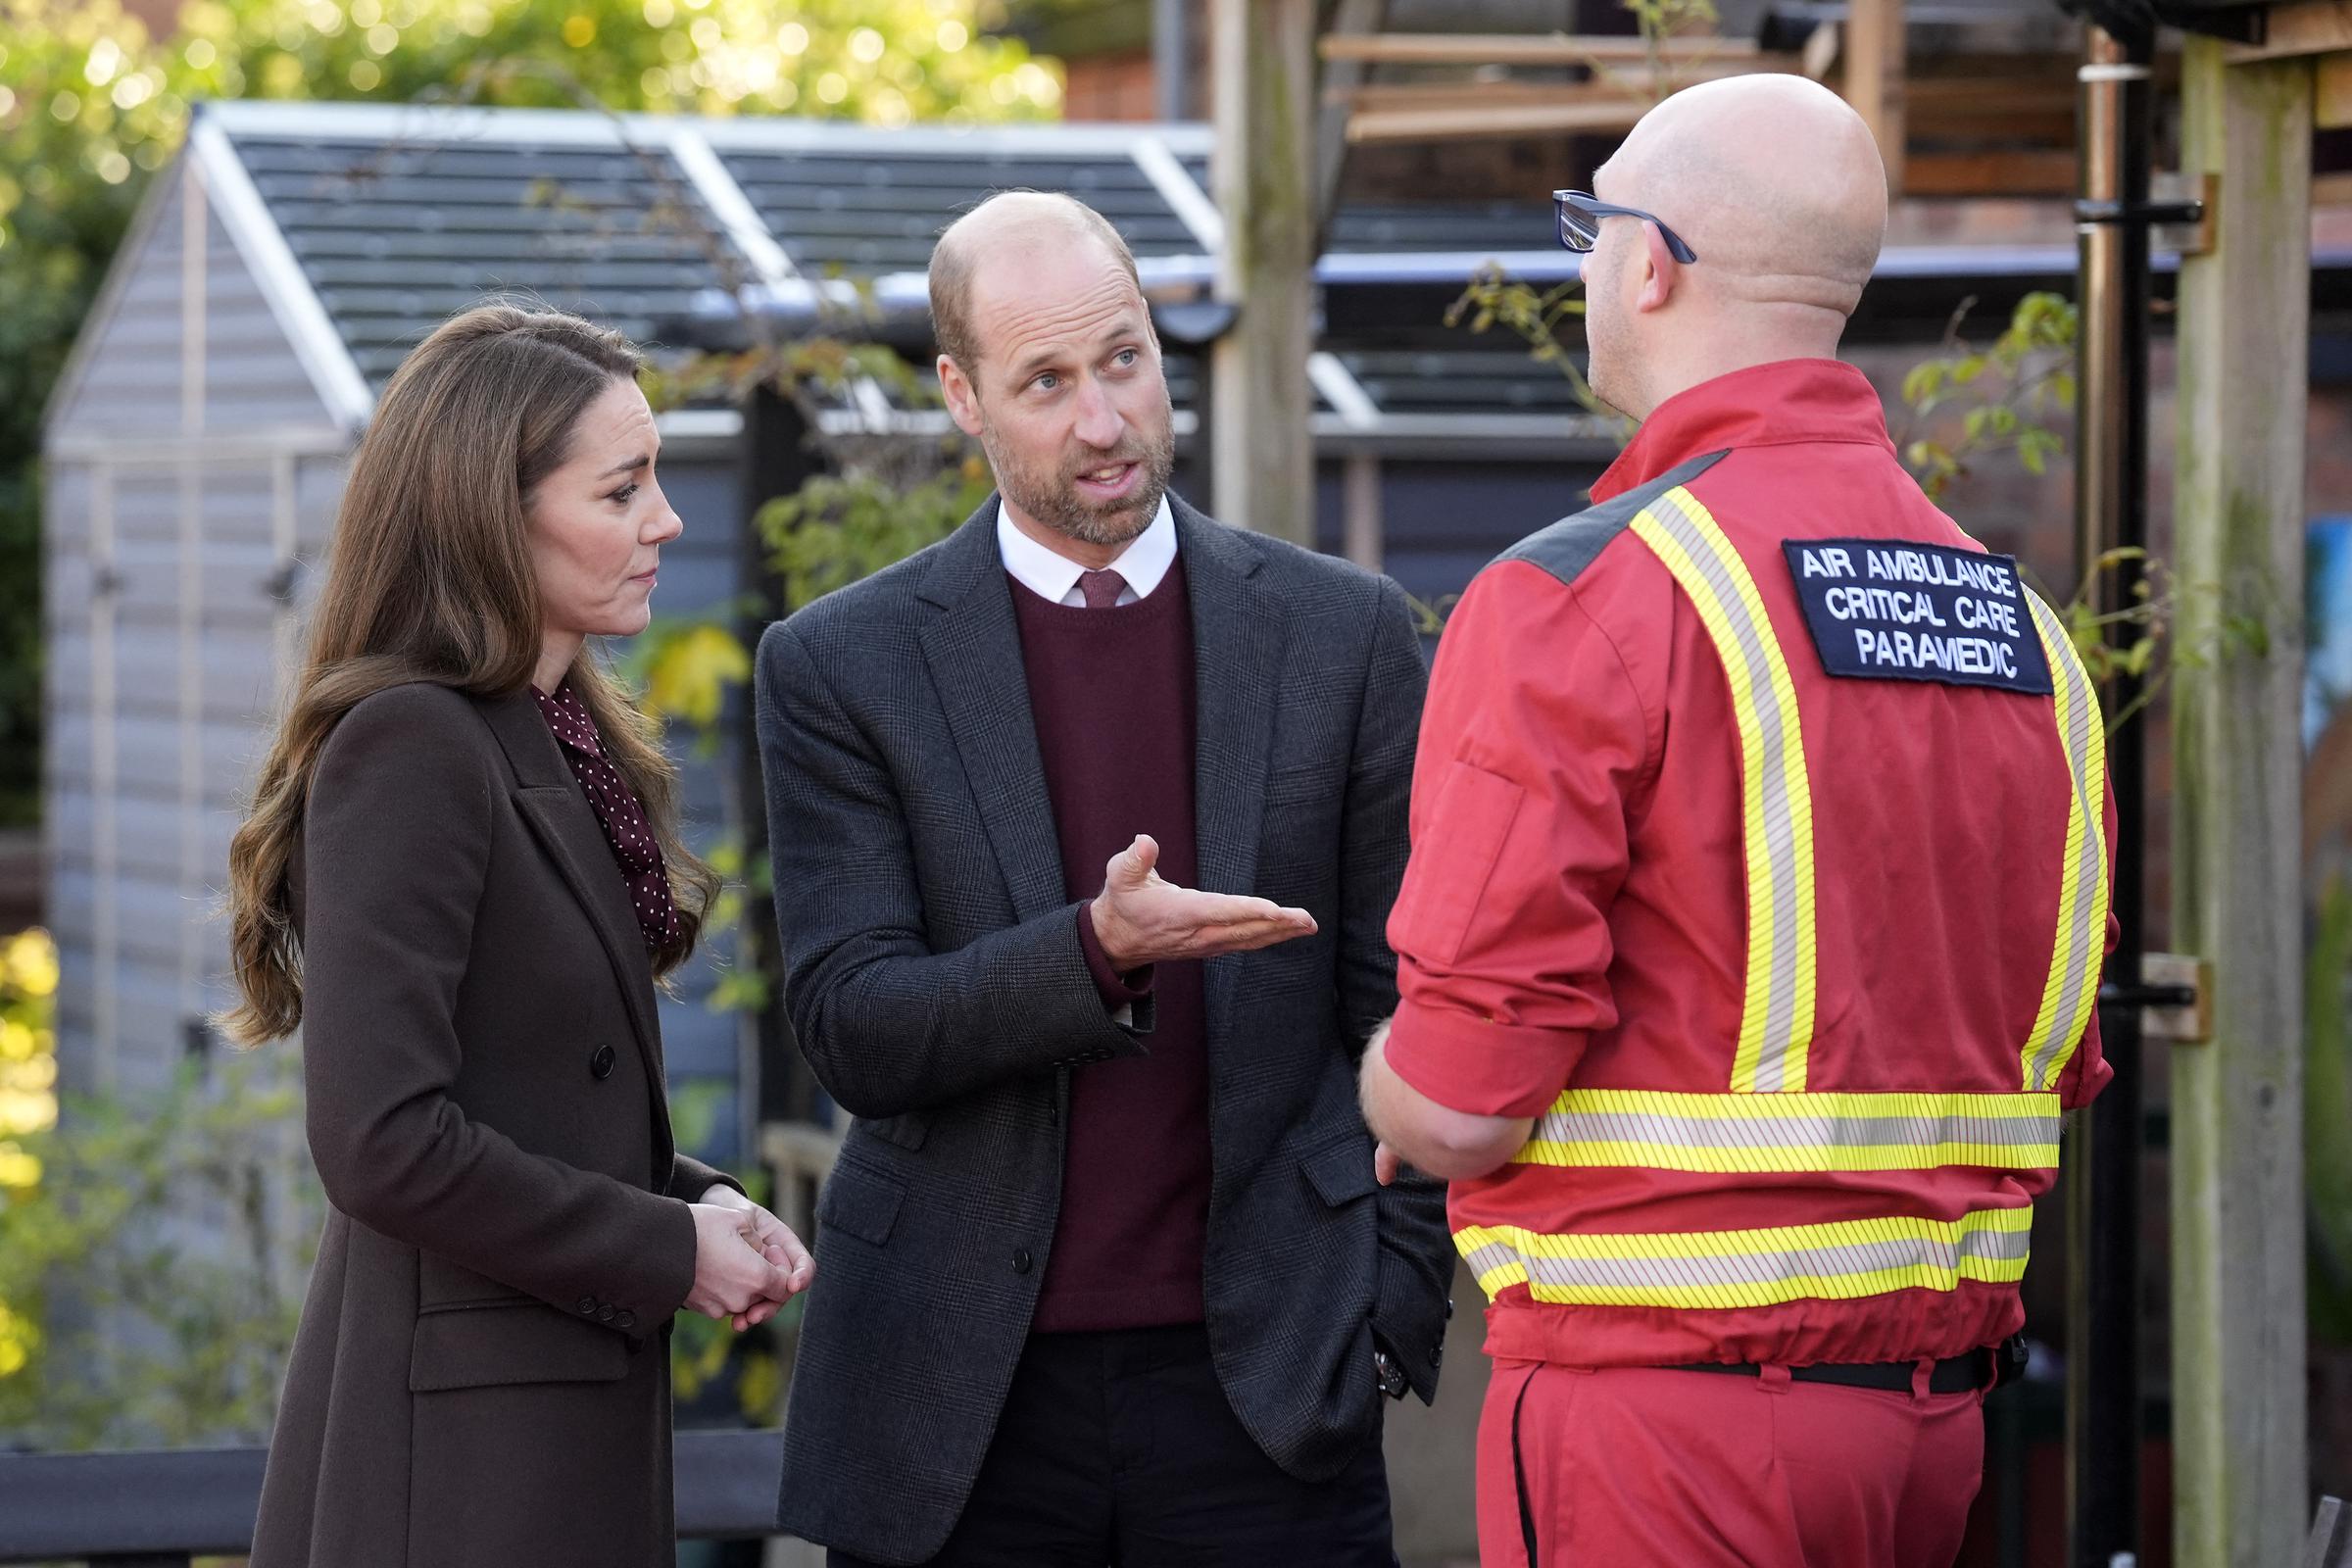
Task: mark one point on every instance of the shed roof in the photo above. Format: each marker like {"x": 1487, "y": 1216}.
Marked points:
{"x": 383, "y": 220}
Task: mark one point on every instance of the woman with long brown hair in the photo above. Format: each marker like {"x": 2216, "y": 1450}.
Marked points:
{"x": 461, "y": 875}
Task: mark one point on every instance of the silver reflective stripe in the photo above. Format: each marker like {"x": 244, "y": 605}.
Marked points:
{"x": 2083, "y": 941}
{"x": 1839, "y": 1262}
{"x": 1809, "y": 1262}
{"x": 1797, "y": 1142}
{"x": 1777, "y": 728}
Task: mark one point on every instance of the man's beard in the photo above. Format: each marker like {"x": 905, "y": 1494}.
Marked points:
{"x": 1054, "y": 501}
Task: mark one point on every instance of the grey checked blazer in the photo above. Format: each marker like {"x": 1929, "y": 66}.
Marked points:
{"x": 935, "y": 981}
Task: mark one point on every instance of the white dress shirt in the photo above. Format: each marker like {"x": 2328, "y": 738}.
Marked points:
{"x": 1053, "y": 576}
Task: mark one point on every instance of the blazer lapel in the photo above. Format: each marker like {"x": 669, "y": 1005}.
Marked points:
{"x": 974, "y": 651}
{"x": 1237, "y": 636}
{"x": 549, "y": 799}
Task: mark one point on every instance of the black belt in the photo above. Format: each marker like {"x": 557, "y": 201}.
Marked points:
{"x": 1994, "y": 1365}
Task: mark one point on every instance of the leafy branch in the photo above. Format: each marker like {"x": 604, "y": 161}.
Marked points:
{"x": 2003, "y": 392}
{"x": 1493, "y": 297}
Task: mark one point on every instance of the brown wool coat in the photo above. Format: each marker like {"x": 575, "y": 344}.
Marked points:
{"x": 481, "y": 1375}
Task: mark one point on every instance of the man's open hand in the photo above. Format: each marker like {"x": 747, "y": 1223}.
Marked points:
{"x": 1140, "y": 919}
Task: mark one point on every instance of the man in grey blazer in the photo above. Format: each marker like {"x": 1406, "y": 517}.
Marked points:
{"x": 1086, "y": 824}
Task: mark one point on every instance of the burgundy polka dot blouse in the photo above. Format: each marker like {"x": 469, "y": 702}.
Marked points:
{"x": 617, "y": 810}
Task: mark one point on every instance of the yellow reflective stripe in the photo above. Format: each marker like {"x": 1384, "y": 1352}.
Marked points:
{"x": 1776, "y": 1021}
{"x": 1768, "y": 1267}
{"x": 2081, "y": 943}
{"x": 1794, "y": 1132}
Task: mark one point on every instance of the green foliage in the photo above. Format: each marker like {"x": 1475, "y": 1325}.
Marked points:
{"x": 686, "y": 667}
{"x": 1494, "y": 298}
{"x": 2140, "y": 645}
{"x": 2001, "y": 393}
{"x": 840, "y": 528}
{"x": 155, "y": 1269}
{"x": 28, "y": 1109}
{"x": 90, "y": 104}
{"x": 1660, "y": 19}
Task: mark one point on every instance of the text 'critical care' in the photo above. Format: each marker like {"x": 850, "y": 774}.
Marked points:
{"x": 1890, "y": 610}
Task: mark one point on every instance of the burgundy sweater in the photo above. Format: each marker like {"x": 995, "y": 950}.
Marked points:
{"x": 1112, "y": 693}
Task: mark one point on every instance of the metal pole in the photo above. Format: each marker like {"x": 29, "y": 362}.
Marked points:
{"x": 2103, "y": 1160}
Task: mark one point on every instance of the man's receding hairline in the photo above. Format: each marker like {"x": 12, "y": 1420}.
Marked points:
{"x": 954, "y": 259}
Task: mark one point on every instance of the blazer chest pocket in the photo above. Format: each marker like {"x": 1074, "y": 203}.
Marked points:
{"x": 510, "y": 1342}
{"x": 860, "y": 1202}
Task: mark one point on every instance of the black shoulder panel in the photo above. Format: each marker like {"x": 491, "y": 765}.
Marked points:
{"x": 1570, "y": 545}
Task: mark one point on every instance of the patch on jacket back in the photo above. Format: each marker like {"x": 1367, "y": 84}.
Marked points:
{"x": 1889, "y": 610}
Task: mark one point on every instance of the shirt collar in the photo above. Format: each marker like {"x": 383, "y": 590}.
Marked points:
{"x": 1052, "y": 575}
{"x": 1765, "y": 405}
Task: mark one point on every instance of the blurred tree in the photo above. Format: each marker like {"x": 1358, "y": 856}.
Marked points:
{"x": 90, "y": 104}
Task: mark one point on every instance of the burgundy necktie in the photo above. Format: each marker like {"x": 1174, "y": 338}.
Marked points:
{"x": 1101, "y": 588}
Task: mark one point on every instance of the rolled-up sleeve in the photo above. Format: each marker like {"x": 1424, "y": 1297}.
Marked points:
{"x": 1534, "y": 742}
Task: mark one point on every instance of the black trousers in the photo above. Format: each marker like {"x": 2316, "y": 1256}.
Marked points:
{"x": 1119, "y": 1451}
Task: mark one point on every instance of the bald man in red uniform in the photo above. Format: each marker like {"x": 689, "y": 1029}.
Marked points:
{"x": 1749, "y": 945}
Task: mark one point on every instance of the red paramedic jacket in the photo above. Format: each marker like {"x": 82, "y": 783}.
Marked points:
{"x": 1761, "y": 838}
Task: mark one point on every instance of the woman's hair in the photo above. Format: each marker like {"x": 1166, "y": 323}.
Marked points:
{"x": 429, "y": 578}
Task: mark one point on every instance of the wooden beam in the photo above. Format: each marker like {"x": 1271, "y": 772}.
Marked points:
{"x": 2308, "y": 27}
{"x": 2238, "y": 1200}
{"x": 2331, "y": 103}
{"x": 1874, "y": 79}
{"x": 1978, "y": 109}
{"x": 1495, "y": 122}
{"x": 1261, "y": 456}
{"x": 1384, "y": 96}
{"x": 2031, "y": 172}
{"x": 1517, "y": 49}
{"x": 1988, "y": 97}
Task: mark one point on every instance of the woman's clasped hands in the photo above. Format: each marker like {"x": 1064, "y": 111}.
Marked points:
{"x": 747, "y": 1262}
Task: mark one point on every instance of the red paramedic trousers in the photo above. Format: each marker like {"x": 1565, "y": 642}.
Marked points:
{"x": 1624, "y": 1467}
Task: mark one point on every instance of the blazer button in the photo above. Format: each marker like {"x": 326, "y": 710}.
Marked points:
{"x": 624, "y": 1319}
{"x": 603, "y": 1313}
{"x": 600, "y": 1065}
{"x": 587, "y": 1306}
{"x": 1021, "y": 1260}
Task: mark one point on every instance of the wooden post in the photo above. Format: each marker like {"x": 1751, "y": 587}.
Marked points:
{"x": 1874, "y": 79}
{"x": 1261, "y": 450}
{"x": 2238, "y": 1419}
